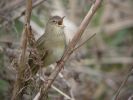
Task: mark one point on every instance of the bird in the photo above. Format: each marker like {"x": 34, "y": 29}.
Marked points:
{"x": 51, "y": 45}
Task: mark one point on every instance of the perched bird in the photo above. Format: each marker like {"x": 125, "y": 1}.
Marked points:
{"x": 51, "y": 44}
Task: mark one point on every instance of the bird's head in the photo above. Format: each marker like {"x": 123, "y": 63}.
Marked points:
{"x": 55, "y": 21}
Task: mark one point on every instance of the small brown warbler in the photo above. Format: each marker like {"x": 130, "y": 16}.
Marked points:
{"x": 51, "y": 44}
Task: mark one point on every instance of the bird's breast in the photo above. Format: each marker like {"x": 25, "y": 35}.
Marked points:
{"x": 59, "y": 45}
{"x": 55, "y": 43}
{"x": 58, "y": 52}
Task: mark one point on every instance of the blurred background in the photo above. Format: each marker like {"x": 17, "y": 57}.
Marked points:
{"x": 96, "y": 70}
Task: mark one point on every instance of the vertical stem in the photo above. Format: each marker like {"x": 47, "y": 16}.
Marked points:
{"x": 19, "y": 85}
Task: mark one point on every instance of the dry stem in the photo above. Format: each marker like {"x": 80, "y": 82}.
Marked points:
{"x": 123, "y": 83}
{"x": 20, "y": 82}
{"x": 71, "y": 46}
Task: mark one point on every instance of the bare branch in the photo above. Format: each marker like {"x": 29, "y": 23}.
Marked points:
{"x": 71, "y": 45}
{"x": 123, "y": 83}
{"x": 20, "y": 82}
{"x": 38, "y": 2}
{"x": 55, "y": 88}
{"x": 84, "y": 42}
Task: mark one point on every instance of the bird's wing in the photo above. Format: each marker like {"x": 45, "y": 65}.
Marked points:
{"x": 40, "y": 40}
{"x": 42, "y": 45}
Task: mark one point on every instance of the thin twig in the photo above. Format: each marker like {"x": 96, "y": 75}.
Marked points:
{"x": 84, "y": 42}
{"x": 62, "y": 93}
{"x": 72, "y": 44}
{"x": 55, "y": 88}
{"x": 14, "y": 5}
{"x": 38, "y": 2}
{"x": 11, "y": 6}
{"x": 37, "y": 95}
{"x": 123, "y": 83}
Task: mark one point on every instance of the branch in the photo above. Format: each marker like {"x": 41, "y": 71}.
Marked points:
{"x": 53, "y": 87}
{"x": 38, "y": 2}
{"x": 71, "y": 46}
{"x": 80, "y": 45}
{"x": 20, "y": 82}
{"x": 123, "y": 83}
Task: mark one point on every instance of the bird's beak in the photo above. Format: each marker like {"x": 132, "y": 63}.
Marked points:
{"x": 63, "y": 17}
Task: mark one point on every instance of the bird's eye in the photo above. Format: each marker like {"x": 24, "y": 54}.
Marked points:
{"x": 54, "y": 21}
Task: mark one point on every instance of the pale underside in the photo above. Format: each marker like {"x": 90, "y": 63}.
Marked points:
{"x": 51, "y": 47}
